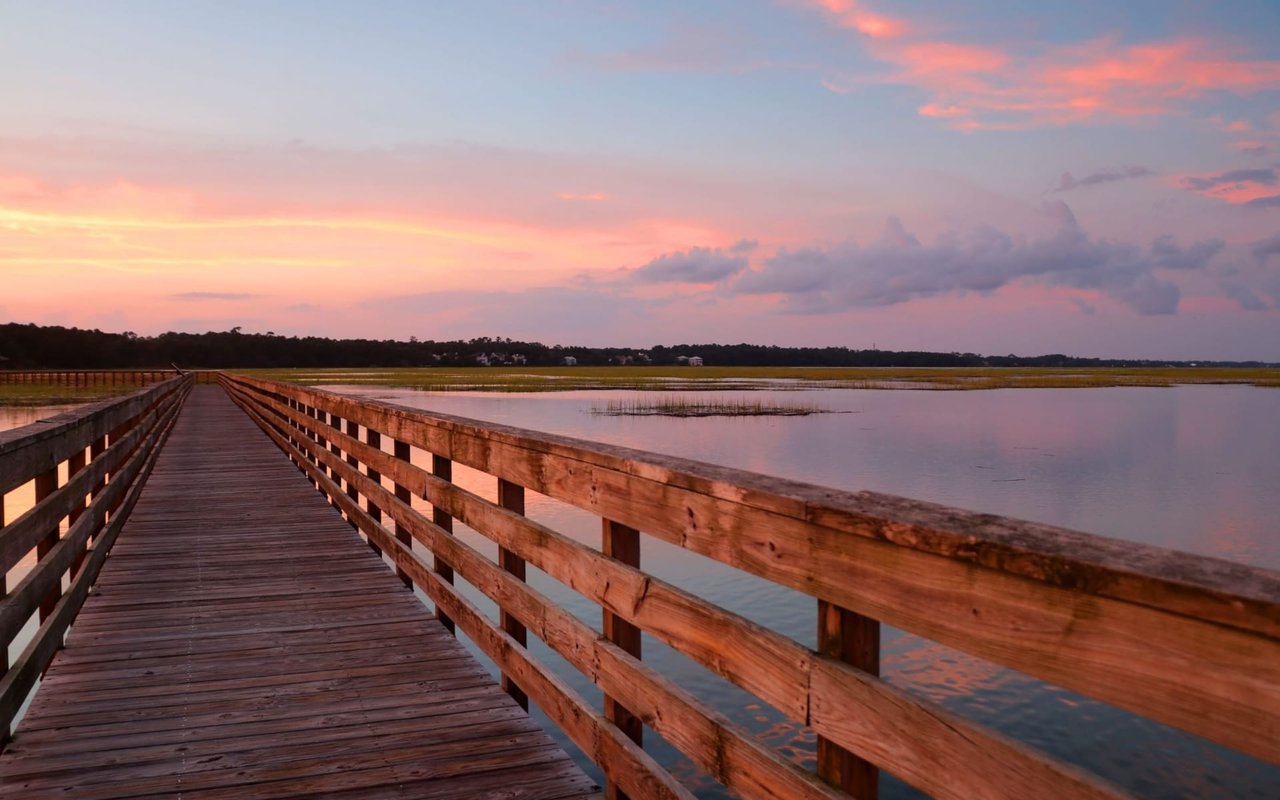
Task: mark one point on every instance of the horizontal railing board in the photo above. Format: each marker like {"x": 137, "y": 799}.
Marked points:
{"x": 1197, "y": 586}
{"x": 1009, "y": 766}
{"x": 717, "y": 745}
{"x": 20, "y": 535}
{"x": 621, "y": 759}
{"x": 771, "y": 666}
{"x": 1124, "y": 651}
{"x": 22, "y": 675}
{"x": 41, "y": 446}
{"x": 46, "y": 574}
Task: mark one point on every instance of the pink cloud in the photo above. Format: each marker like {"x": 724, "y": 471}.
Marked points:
{"x": 935, "y": 58}
{"x": 852, "y": 15}
{"x": 1252, "y": 147}
{"x": 1037, "y": 84}
{"x": 588, "y": 197}
{"x": 1237, "y": 186}
{"x": 938, "y": 110}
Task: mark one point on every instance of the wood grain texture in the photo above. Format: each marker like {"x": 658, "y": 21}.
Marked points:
{"x": 242, "y": 641}
{"x": 774, "y": 667}
{"x": 1126, "y": 623}
{"x": 619, "y": 757}
{"x": 43, "y": 445}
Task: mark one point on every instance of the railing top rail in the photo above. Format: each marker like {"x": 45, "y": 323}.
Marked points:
{"x": 1185, "y": 640}
{"x": 1196, "y": 586}
{"x": 83, "y": 424}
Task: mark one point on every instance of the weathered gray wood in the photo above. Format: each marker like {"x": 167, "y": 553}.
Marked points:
{"x": 855, "y": 640}
{"x": 48, "y": 639}
{"x": 775, "y": 668}
{"x": 441, "y": 468}
{"x": 1063, "y": 606}
{"x": 42, "y": 445}
{"x": 281, "y": 678}
{"x": 619, "y": 757}
{"x": 511, "y": 497}
{"x": 623, "y": 544}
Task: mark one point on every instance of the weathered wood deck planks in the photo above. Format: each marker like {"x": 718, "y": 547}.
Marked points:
{"x": 243, "y": 641}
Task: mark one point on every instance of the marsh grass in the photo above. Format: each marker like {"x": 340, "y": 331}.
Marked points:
{"x": 720, "y": 379}
{"x": 685, "y": 406}
{"x": 44, "y": 395}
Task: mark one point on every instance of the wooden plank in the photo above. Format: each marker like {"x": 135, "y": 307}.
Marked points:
{"x": 249, "y": 690}
{"x": 44, "y": 444}
{"x": 46, "y": 485}
{"x": 619, "y": 757}
{"x": 623, "y": 544}
{"x": 511, "y": 497}
{"x": 1063, "y": 606}
{"x": 735, "y": 758}
{"x": 401, "y": 452}
{"x": 48, "y": 638}
{"x": 441, "y": 468}
{"x": 774, "y": 667}
{"x": 852, "y": 639}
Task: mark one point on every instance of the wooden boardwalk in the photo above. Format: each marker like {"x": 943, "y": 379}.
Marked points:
{"x": 243, "y": 642}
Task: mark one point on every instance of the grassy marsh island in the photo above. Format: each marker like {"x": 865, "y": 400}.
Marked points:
{"x": 55, "y": 395}
{"x": 682, "y": 406}
{"x": 685, "y": 379}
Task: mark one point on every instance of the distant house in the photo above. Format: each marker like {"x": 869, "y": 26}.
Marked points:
{"x": 482, "y": 359}
{"x": 518, "y": 359}
{"x": 570, "y": 361}
{"x": 682, "y": 360}
{"x": 695, "y": 361}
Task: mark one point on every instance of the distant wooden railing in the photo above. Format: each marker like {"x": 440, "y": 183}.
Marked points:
{"x": 108, "y": 449}
{"x": 1193, "y": 642}
{"x": 85, "y": 377}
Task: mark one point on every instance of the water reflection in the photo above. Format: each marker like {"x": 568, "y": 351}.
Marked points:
{"x": 1182, "y": 467}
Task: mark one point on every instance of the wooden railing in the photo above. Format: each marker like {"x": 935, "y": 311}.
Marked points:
{"x": 108, "y": 449}
{"x": 1193, "y": 642}
{"x": 85, "y": 377}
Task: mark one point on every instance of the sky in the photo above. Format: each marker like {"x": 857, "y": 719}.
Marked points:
{"x": 1093, "y": 178}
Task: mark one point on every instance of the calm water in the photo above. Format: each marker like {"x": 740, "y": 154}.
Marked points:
{"x": 1193, "y": 468}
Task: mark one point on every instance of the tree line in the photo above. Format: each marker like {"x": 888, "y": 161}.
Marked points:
{"x": 29, "y": 346}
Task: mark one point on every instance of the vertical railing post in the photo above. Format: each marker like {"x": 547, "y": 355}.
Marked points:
{"x": 310, "y": 411}
{"x": 374, "y": 439}
{"x": 623, "y": 543}
{"x": 353, "y": 430}
{"x": 116, "y": 434}
{"x": 96, "y": 448}
{"x": 47, "y": 484}
{"x": 400, "y": 451}
{"x": 335, "y": 422}
{"x": 511, "y": 497}
{"x": 292, "y": 405}
{"x": 74, "y": 464}
{"x": 321, "y": 419}
{"x": 854, "y": 639}
{"x": 442, "y": 468}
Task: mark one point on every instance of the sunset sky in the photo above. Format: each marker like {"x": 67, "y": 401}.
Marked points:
{"x": 1095, "y": 178}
